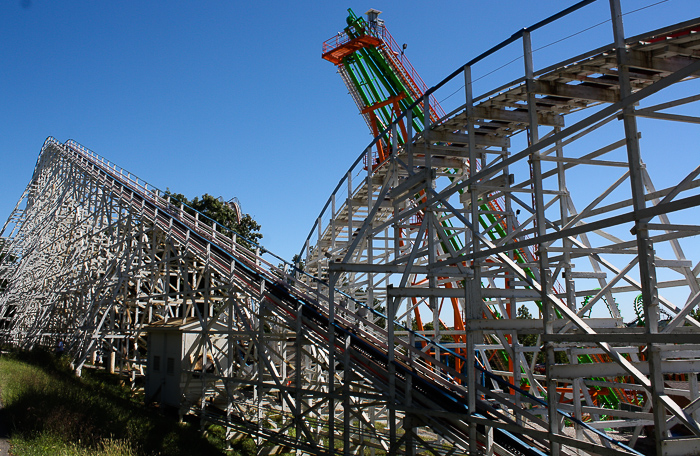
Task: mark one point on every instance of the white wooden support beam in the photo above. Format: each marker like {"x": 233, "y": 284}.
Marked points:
{"x": 480, "y": 139}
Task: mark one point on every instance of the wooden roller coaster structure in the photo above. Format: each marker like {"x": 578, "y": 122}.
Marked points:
{"x": 396, "y": 330}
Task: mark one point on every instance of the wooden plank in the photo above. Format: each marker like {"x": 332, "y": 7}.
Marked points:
{"x": 666, "y": 116}
{"x": 681, "y": 447}
{"x": 645, "y": 61}
{"x": 376, "y": 268}
{"x": 578, "y": 91}
{"x": 672, "y": 50}
{"x": 461, "y": 138}
{"x": 439, "y": 162}
{"x": 362, "y": 202}
{"x": 624, "y": 338}
{"x": 612, "y": 369}
{"x": 543, "y": 118}
{"x": 416, "y": 292}
{"x": 523, "y": 324}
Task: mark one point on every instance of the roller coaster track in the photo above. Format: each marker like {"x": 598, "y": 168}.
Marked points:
{"x": 321, "y": 356}
{"x": 256, "y": 292}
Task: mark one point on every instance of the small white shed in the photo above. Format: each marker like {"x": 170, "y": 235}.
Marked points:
{"x": 175, "y": 363}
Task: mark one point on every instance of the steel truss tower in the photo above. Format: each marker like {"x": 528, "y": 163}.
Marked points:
{"x": 322, "y": 357}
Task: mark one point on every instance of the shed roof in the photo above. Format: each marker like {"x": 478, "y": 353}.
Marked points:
{"x": 175, "y": 324}
{"x": 190, "y": 324}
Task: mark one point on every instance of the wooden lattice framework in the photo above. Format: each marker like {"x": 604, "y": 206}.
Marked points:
{"x": 306, "y": 357}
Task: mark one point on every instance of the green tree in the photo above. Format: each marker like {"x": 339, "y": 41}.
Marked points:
{"x": 298, "y": 262}
{"x": 530, "y": 340}
{"x": 429, "y": 327}
{"x": 527, "y": 340}
{"x": 223, "y": 214}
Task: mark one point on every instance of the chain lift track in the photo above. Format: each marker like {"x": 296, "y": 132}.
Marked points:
{"x": 334, "y": 355}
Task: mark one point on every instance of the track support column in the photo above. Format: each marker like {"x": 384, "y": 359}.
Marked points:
{"x": 645, "y": 249}
{"x": 545, "y": 281}
{"x": 472, "y": 298}
{"x": 391, "y": 372}
{"x": 331, "y": 361}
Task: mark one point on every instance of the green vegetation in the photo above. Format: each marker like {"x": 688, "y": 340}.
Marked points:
{"x": 531, "y": 340}
{"x": 527, "y": 340}
{"x": 222, "y": 213}
{"x": 50, "y": 411}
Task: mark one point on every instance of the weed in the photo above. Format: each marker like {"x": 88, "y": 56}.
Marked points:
{"x": 50, "y": 411}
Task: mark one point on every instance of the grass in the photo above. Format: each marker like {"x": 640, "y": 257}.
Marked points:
{"x": 50, "y": 411}
{"x": 44, "y": 444}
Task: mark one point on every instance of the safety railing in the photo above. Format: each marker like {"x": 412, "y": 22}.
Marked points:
{"x": 401, "y": 62}
{"x": 324, "y": 215}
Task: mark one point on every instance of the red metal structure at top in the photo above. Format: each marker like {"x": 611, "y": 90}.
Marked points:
{"x": 378, "y": 75}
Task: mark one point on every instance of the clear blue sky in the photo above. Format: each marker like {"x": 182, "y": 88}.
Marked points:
{"x": 232, "y": 98}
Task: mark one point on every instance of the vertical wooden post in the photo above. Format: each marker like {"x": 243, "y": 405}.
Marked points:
{"x": 391, "y": 371}
{"x": 472, "y": 303}
{"x": 645, "y": 248}
{"x": 331, "y": 361}
{"x": 543, "y": 261}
